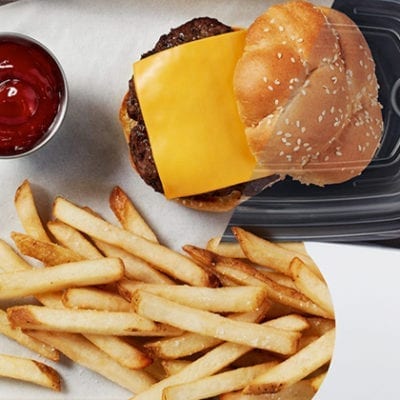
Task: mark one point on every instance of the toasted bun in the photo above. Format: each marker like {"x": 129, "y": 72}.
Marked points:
{"x": 202, "y": 203}
{"x": 307, "y": 93}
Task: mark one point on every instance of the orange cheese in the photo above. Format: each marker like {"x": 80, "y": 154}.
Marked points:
{"x": 187, "y": 100}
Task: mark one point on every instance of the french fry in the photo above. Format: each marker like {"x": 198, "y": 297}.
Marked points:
{"x": 10, "y": 261}
{"x": 245, "y": 274}
{"x": 28, "y": 214}
{"x": 211, "y": 362}
{"x": 316, "y": 381}
{"x": 301, "y": 390}
{"x": 30, "y": 371}
{"x": 190, "y": 343}
{"x": 42, "y": 280}
{"x": 214, "y": 385}
{"x": 268, "y": 254}
{"x": 72, "y": 239}
{"x": 163, "y": 258}
{"x": 49, "y": 253}
{"x": 128, "y": 216}
{"x": 25, "y": 340}
{"x": 78, "y": 321}
{"x": 94, "y": 299}
{"x": 81, "y": 351}
{"x": 296, "y": 367}
{"x": 135, "y": 267}
{"x": 319, "y": 326}
{"x": 172, "y": 367}
{"x": 297, "y": 247}
{"x": 206, "y": 323}
{"x": 226, "y": 299}
{"x": 121, "y": 351}
{"x": 226, "y": 249}
{"x": 311, "y": 285}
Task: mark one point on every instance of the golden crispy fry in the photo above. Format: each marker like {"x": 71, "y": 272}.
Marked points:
{"x": 226, "y": 249}
{"x": 226, "y": 299}
{"x": 163, "y": 258}
{"x": 42, "y": 280}
{"x": 297, "y": 247}
{"x": 81, "y": 351}
{"x": 172, "y": 367}
{"x": 210, "y": 363}
{"x": 19, "y": 336}
{"x": 78, "y": 321}
{"x": 206, "y": 323}
{"x": 301, "y": 390}
{"x": 245, "y": 274}
{"x": 121, "y": 351}
{"x": 214, "y": 385}
{"x": 319, "y": 326}
{"x": 28, "y": 214}
{"x": 73, "y": 240}
{"x": 190, "y": 343}
{"x": 311, "y": 285}
{"x": 128, "y": 216}
{"x": 135, "y": 267}
{"x": 49, "y": 253}
{"x": 296, "y": 367}
{"x": 94, "y": 299}
{"x": 268, "y": 254}
{"x": 30, "y": 371}
{"x": 9, "y": 260}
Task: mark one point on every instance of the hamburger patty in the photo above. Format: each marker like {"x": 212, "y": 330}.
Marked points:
{"x": 139, "y": 143}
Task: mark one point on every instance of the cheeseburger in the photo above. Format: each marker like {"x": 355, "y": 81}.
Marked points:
{"x": 212, "y": 113}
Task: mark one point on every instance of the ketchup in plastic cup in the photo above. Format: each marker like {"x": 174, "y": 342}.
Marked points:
{"x": 33, "y": 95}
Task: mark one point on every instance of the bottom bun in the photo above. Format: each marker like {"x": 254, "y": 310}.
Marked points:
{"x": 218, "y": 201}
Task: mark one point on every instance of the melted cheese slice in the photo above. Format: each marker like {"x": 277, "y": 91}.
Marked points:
{"x": 187, "y": 100}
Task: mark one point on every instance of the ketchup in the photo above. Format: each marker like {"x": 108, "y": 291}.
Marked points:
{"x": 31, "y": 86}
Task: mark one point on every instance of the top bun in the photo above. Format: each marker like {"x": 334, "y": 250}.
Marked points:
{"x": 308, "y": 94}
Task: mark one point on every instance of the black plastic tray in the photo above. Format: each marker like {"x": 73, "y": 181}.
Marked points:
{"x": 367, "y": 207}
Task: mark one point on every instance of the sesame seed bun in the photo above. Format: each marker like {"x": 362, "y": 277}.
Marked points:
{"x": 308, "y": 94}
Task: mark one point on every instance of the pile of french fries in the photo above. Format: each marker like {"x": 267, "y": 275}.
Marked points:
{"x": 246, "y": 320}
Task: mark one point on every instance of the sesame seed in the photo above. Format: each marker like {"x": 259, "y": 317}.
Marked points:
{"x": 326, "y": 158}
{"x": 279, "y": 55}
{"x": 272, "y": 21}
{"x": 298, "y": 123}
{"x": 303, "y": 129}
{"x": 281, "y": 28}
{"x": 288, "y": 135}
{"x": 276, "y": 102}
{"x": 300, "y": 40}
{"x": 267, "y": 29}
{"x": 293, "y": 60}
{"x": 284, "y": 140}
{"x": 279, "y": 133}
{"x": 334, "y": 79}
{"x": 303, "y": 92}
{"x": 299, "y": 141}
{"x": 288, "y": 144}
{"x": 270, "y": 88}
{"x": 282, "y": 153}
{"x": 297, "y": 148}
{"x": 320, "y": 118}
{"x": 289, "y": 157}
{"x": 277, "y": 82}
{"x": 287, "y": 122}
{"x": 265, "y": 79}
{"x": 291, "y": 87}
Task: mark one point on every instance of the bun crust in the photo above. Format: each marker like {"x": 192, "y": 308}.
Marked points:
{"x": 307, "y": 93}
{"x": 210, "y": 203}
